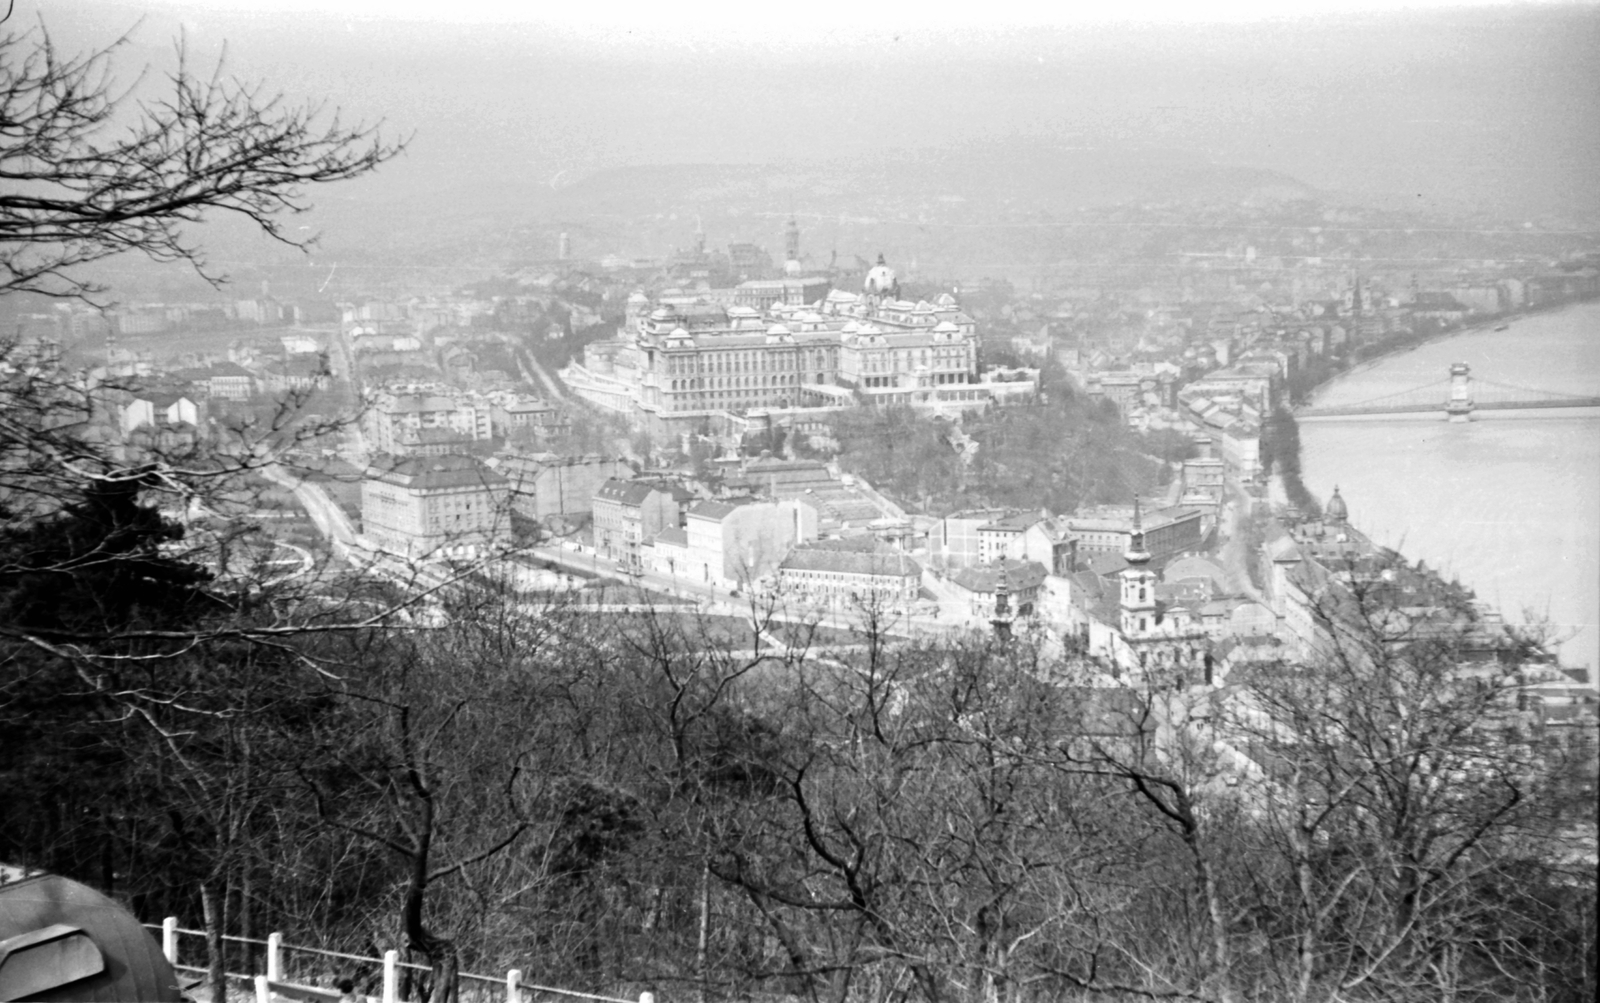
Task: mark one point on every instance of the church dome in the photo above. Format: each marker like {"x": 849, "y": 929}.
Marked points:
{"x": 881, "y": 279}
{"x": 1336, "y": 510}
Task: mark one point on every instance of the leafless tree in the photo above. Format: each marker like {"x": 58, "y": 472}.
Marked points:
{"x": 429, "y": 755}
{"x": 124, "y": 596}
{"x": 1403, "y": 780}
{"x": 92, "y": 166}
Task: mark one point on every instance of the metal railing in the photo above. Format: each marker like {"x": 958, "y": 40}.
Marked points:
{"x": 278, "y": 977}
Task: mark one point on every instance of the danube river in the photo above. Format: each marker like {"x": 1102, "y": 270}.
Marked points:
{"x": 1509, "y": 502}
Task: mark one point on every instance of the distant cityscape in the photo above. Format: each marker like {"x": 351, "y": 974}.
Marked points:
{"x": 669, "y": 423}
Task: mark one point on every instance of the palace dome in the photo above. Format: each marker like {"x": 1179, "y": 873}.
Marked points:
{"x": 881, "y": 279}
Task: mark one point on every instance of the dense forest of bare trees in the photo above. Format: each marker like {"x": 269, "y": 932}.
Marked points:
{"x": 636, "y": 803}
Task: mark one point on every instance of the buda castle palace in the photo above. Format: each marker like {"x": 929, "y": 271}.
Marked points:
{"x": 781, "y": 344}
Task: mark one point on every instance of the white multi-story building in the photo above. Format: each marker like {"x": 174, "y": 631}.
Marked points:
{"x": 158, "y": 409}
{"x": 626, "y": 514}
{"x": 1110, "y": 530}
{"x": 733, "y": 543}
{"x": 1204, "y": 477}
{"x": 398, "y": 424}
{"x": 435, "y": 506}
{"x": 834, "y": 577}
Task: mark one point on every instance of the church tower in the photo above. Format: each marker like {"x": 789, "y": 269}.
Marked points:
{"x": 1002, "y": 606}
{"x": 1138, "y": 600}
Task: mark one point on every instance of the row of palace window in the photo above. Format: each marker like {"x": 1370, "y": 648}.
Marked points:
{"x": 724, "y": 400}
{"x": 747, "y": 383}
{"x": 903, "y": 359}
{"x": 748, "y": 362}
{"x": 896, "y": 360}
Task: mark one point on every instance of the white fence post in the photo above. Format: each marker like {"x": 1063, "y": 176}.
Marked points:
{"x": 169, "y": 939}
{"x": 275, "y": 956}
{"x": 514, "y": 986}
{"x": 391, "y": 977}
{"x": 263, "y": 994}
{"x": 647, "y": 998}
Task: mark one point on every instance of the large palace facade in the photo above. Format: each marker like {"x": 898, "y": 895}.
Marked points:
{"x": 685, "y": 358}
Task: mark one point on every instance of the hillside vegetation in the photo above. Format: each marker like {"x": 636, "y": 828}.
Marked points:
{"x": 1057, "y": 455}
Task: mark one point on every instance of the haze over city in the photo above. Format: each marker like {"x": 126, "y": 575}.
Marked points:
{"x": 1492, "y": 108}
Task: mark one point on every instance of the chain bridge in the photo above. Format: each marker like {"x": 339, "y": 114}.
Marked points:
{"x": 1456, "y": 397}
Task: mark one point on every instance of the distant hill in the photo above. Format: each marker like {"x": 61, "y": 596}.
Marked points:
{"x": 937, "y": 212}
{"x": 982, "y": 210}
{"x": 943, "y": 212}
{"x": 955, "y": 185}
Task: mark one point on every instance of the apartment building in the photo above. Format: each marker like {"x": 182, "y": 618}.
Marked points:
{"x": 407, "y": 424}
{"x": 628, "y": 513}
{"x": 434, "y": 507}
{"x": 836, "y": 577}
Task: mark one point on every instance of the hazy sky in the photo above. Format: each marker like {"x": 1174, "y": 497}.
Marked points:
{"x": 838, "y": 18}
{"x": 1487, "y": 104}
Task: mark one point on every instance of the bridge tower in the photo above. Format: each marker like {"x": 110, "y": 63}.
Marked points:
{"x": 1459, "y": 404}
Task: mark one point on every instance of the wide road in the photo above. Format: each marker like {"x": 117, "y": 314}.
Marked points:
{"x": 330, "y": 519}
{"x": 531, "y": 370}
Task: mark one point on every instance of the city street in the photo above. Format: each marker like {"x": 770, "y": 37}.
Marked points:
{"x": 1234, "y": 526}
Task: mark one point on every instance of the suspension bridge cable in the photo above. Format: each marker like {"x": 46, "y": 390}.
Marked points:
{"x": 1529, "y": 390}
{"x": 1397, "y": 393}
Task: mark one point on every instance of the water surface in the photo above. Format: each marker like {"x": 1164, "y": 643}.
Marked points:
{"x": 1510, "y": 502}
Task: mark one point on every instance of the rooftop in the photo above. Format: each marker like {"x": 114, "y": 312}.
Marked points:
{"x": 424, "y": 473}
{"x": 885, "y": 562}
{"x": 985, "y": 578}
{"x": 625, "y": 492}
